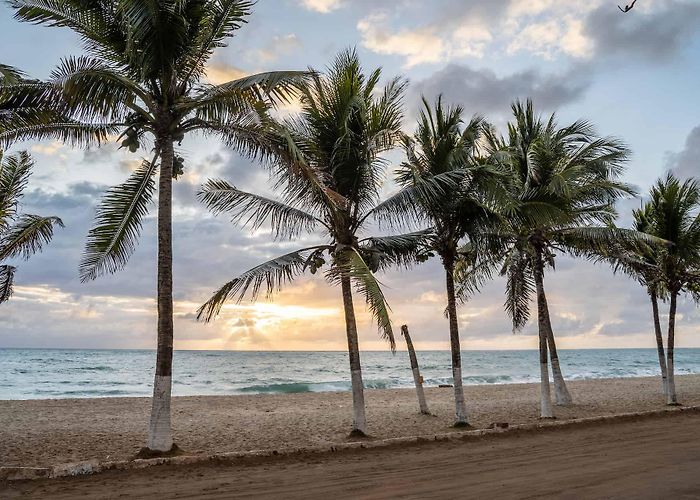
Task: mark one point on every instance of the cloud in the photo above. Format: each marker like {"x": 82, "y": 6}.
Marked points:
{"x": 655, "y": 34}
{"x": 484, "y": 91}
{"x": 427, "y": 44}
{"x": 687, "y": 162}
{"x": 322, "y": 6}
{"x": 218, "y": 73}
{"x": 278, "y": 46}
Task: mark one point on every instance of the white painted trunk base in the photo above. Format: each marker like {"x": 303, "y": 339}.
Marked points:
{"x": 160, "y": 436}
{"x": 545, "y": 395}
{"x": 359, "y": 420}
{"x": 419, "y": 390}
{"x": 460, "y": 406}
{"x": 561, "y": 393}
{"x": 671, "y": 397}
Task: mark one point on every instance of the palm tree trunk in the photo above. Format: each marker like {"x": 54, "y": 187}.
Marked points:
{"x": 561, "y": 393}
{"x": 417, "y": 379}
{"x": 460, "y": 406}
{"x": 659, "y": 340}
{"x": 359, "y": 420}
{"x": 542, "y": 318}
{"x": 671, "y": 398}
{"x": 160, "y": 433}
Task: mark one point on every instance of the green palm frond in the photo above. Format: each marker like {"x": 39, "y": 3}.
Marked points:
{"x": 118, "y": 222}
{"x": 222, "y": 19}
{"x": 71, "y": 132}
{"x": 251, "y": 210}
{"x": 401, "y": 250}
{"x": 412, "y": 203}
{"x": 349, "y": 263}
{"x": 520, "y": 287}
{"x": 10, "y": 75}
{"x": 14, "y": 174}
{"x": 473, "y": 271}
{"x": 92, "y": 89}
{"x": 272, "y": 274}
{"x": 7, "y": 275}
{"x": 27, "y": 236}
{"x": 216, "y": 100}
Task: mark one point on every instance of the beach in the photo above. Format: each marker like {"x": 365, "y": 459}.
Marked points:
{"x": 51, "y": 432}
{"x": 651, "y": 457}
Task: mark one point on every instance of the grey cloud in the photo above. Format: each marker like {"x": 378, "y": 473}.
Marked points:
{"x": 687, "y": 162}
{"x": 656, "y": 36}
{"x": 483, "y": 91}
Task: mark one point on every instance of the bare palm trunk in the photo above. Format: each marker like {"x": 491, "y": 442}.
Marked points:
{"x": 542, "y": 318}
{"x": 659, "y": 340}
{"x": 160, "y": 433}
{"x": 561, "y": 393}
{"x": 461, "y": 419}
{"x": 671, "y": 398}
{"x": 359, "y": 420}
{"x": 417, "y": 379}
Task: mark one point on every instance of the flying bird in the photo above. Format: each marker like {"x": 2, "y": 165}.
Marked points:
{"x": 627, "y": 7}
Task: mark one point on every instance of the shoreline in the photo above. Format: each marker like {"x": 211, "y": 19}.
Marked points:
{"x": 38, "y": 433}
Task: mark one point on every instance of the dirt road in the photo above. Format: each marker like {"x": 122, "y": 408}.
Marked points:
{"x": 656, "y": 457}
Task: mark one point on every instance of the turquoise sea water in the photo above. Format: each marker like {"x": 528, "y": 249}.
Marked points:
{"x": 71, "y": 373}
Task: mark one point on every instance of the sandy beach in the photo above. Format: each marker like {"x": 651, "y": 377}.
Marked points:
{"x": 50, "y": 432}
{"x": 645, "y": 458}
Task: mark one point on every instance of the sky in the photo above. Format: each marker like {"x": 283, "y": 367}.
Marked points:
{"x": 635, "y": 76}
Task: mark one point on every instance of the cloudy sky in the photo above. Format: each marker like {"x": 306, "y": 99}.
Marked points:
{"x": 636, "y": 76}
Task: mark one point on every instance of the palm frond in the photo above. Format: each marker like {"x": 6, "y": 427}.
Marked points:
{"x": 273, "y": 274}
{"x": 520, "y": 287}
{"x": 112, "y": 240}
{"x": 251, "y": 210}
{"x": 27, "y": 236}
{"x": 401, "y": 250}
{"x": 7, "y": 275}
{"x": 14, "y": 174}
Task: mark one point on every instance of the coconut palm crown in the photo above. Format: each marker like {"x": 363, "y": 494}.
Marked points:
{"x": 328, "y": 169}
{"x": 141, "y": 80}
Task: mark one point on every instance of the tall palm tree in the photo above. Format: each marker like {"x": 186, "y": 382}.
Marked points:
{"x": 641, "y": 262}
{"x": 675, "y": 217}
{"x": 562, "y": 186}
{"x": 443, "y": 185}
{"x": 328, "y": 169}
{"x": 142, "y": 79}
{"x": 21, "y": 235}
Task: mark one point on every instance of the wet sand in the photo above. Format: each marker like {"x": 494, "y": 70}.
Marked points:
{"x": 51, "y": 432}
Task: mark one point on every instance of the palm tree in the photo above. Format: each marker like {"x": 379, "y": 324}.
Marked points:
{"x": 142, "y": 79}
{"x": 675, "y": 217}
{"x": 443, "y": 186}
{"x": 562, "y": 181}
{"x": 328, "y": 170}
{"x": 641, "y": 262}
{"x": 21, "y": 235}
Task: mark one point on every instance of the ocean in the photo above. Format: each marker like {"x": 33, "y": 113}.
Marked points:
{"x": 78, "y": 373}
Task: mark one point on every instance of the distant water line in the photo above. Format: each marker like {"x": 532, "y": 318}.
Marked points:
{"x": 77, "y": 373}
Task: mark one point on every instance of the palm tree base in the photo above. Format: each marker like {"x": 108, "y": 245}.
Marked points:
{"x": 547, "y": 418}
{"x": 357, "y": 433}
{"x": 674, "y": 404}
{"x": 463, "y": 425}
{"x": 146, "y": 452}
